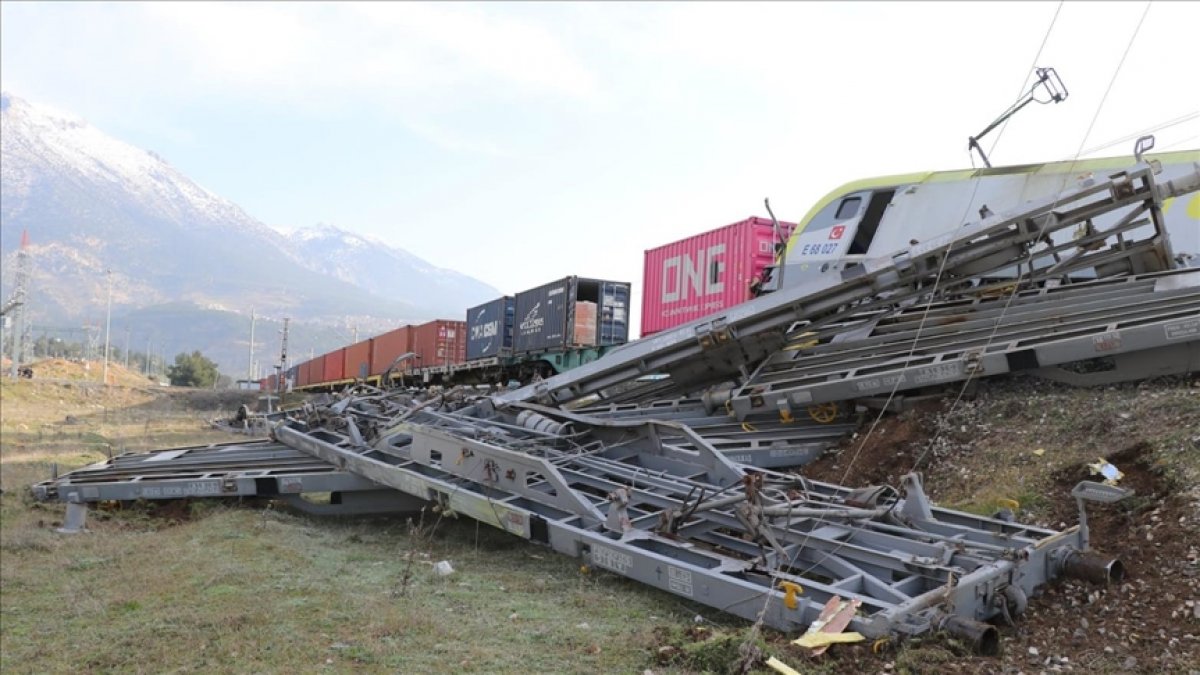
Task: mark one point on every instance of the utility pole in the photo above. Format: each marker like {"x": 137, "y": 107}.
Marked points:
{"x": 107, "y": 325}
{"x": 17, "y": 304}
{"x": 93, "y": 341}
{"x": 147, "y": 361}
{"x": 5, "y": 319}
{"x": 283, "y": 358}
{"x": 128, "y": 336}
{"x": 250, "y": 356}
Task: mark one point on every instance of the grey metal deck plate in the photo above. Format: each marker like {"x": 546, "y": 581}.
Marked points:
{"x": 986, "y": 338}
{"x": 909, "y": 571}
{"x": 256, "y": 468}
{"x": 758, "y": 440}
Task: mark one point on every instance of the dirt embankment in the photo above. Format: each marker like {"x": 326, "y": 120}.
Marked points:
{"x": 88, "y": 371}
{"x": 1030, "y": 441}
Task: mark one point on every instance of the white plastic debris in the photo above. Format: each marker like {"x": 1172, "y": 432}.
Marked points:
{"x": 443, "y": 568}
{"x": 1111, "y": 473}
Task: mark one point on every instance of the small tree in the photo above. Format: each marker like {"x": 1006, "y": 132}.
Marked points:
{"x": 192, "y": 370}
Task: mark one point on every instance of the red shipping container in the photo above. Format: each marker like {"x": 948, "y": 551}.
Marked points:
{"x": 694, "y": 277}
{"x": 358, "y": 360}
{"x": 439, "y": 343}
{"x": 303, "y": 374}
{"x": 316, "y": 370}
{"x": 385, "y": 348}
{"x": 335, "y": 365}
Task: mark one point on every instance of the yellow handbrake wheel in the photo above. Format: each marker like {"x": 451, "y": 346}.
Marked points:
{"x": 823, "y": 412}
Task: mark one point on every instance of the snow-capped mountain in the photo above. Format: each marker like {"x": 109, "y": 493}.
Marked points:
{"x": 93, "y": 204}
{"x": 385, "y": 270}
{"x": 37, "y": 138}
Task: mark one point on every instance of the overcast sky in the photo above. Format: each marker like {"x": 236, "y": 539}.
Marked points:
{"x": 523, "y": 142}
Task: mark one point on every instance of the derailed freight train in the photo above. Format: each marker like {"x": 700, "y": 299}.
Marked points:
{"x": 536, "y": 333}
{"x": 533, "y": 335}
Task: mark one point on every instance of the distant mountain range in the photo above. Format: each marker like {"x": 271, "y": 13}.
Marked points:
{"x": 187, "y": 265}
{"x": 384, "y": 270}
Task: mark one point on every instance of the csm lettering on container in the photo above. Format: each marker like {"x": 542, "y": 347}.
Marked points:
{"x": 490, "y": 328}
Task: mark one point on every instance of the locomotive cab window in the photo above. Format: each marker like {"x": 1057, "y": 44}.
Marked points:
{"x": 849, "y": 208}
{"x": 865, "y": 233}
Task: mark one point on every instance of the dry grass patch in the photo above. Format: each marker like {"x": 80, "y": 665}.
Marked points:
{"x": 217, "y": 587}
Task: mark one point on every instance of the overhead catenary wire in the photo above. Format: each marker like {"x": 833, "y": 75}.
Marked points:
{"x": 1062, "y": 188}
{"x": 1028, "y": 73}
{"x": 1180, "y": 142}
{"x": 924, "y": 315}
{"x": 1187, "y": 117}
{"x": 942, "y": 266}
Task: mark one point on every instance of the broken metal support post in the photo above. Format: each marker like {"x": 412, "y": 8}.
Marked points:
{"x": 1093, "y": 568}
{"x": 983, "y": 637}
{"x": 1101, "y": 493}
{"x": 75, "y": 520}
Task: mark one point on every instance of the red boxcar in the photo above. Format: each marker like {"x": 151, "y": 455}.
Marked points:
{"x": 335, "y": 364}
{"x": 694, "y": 277}
{"x": 385, "y": 348}
{"x": 303, "y": 374}
{"x": 358, "y": 360}
{"x": 440, "y": 342}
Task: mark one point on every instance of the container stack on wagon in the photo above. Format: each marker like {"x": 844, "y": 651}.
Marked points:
{"x": 546, "y": 315}
{"x": 567, "y": 322}
{"x": 561, "y": 324}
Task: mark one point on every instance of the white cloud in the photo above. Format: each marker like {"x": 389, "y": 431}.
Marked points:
{"x": 377, "y": 50}
{"x": 456, "y": 141}
{"x": 517, "y": 52}
{"x": 419, "y": 63}
{"x": 240, "y": 43}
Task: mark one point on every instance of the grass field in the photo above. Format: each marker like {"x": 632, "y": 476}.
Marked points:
{"x": 217, "y": 587}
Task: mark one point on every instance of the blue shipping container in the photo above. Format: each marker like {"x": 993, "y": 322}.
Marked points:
{"x": 490, "y": 329}
{"x": 544, "y": 314}
{"x": 612, "y": 324}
